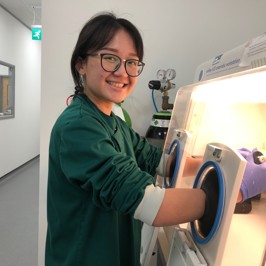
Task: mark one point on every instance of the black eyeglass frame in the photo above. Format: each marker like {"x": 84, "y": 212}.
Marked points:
{"x": 101, "y": 55}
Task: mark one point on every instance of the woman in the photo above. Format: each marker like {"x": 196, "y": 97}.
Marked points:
{"x": 100, "y": 184}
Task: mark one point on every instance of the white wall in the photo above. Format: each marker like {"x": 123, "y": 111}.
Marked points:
{"x": 19, "y": 137}
{"x": 177, "y": 34}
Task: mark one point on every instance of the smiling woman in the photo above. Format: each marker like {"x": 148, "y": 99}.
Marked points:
{"x": 7, "y": 90}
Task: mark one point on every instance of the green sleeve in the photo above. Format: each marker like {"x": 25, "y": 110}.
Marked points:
{"x": 90, "y": 160}
{"x": 147, "y": 156}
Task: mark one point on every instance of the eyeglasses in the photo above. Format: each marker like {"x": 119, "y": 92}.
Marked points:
{"x": 112, "y": 63}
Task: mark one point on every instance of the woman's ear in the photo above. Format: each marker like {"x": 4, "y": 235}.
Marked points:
{"x": 80, "y": 66}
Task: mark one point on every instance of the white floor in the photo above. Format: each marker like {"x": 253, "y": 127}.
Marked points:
{"x": 19, "y": 216}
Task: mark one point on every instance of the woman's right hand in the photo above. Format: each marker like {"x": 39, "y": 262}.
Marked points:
{"x": 254, "y": 178}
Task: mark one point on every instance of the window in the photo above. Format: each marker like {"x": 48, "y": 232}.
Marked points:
{"x": 7, "y": 90}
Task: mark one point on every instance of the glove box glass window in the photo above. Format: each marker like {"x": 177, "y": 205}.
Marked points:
{"x": 230, "y": 109}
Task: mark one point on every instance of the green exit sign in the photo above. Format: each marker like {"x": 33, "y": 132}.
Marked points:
{"x": 36, "y": 33}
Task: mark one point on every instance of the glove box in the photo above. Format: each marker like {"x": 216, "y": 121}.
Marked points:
{"x": 230, "y": 110}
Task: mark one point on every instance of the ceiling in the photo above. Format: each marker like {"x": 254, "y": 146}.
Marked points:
{"x": 28, "y": 12}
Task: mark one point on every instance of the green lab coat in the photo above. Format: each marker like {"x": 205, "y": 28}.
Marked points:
{"x": 98, "y": 171}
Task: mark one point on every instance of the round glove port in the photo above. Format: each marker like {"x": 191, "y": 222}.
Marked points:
{"x": 172, "y": 164}
{"x": 209, "y": 179}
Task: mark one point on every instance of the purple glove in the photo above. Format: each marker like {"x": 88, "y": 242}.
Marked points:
{"x": 254, "y": 179}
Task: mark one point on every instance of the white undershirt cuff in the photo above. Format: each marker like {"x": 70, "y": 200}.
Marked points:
{"x": 150, "y": 204}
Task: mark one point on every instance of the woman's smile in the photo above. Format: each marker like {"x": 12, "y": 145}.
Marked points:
{"x": 116, "y": 84}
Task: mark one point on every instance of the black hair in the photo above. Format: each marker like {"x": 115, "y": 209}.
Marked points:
{"x": 95, "y": 34}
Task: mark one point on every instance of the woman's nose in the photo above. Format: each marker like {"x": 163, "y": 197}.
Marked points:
{"x": 121, "y": 70}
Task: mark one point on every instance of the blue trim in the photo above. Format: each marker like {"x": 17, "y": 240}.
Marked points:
{"x": 153, "y": 100}
{"x": 176, "y": 164}
{"x": 221, "y": 202}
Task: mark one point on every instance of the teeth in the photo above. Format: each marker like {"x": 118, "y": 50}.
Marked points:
{"x": 116, "y": 84}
